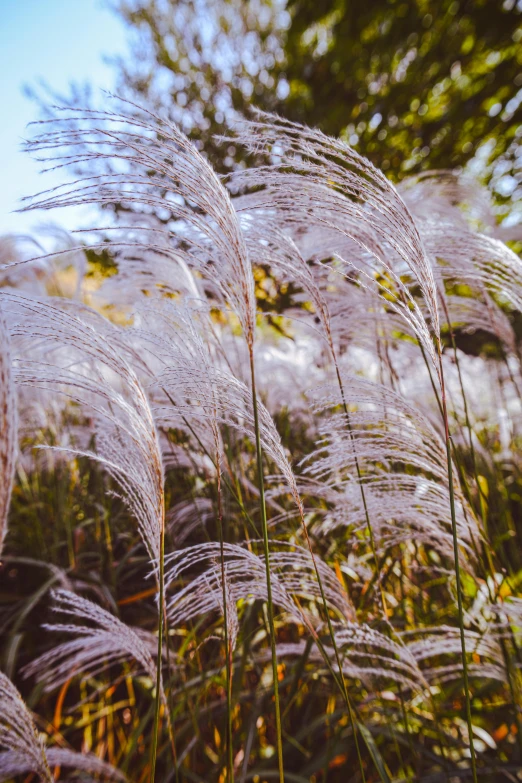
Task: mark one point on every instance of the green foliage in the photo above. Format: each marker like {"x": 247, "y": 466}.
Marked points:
{"x": 413, "y": 84}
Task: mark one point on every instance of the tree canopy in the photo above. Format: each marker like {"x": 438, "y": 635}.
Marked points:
{"x": 413, "y": 84}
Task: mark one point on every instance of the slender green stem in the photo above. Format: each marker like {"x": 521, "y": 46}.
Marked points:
{"x": 361, "y": 487}
{"x": 154, "y": 747}
{"x": 228, "y": 651}
{"x": 168, "y": 704}
{"x": 224, "y": 480}
{"x": 457, "y": 567}
{"x": 341, "y": 682}
{"x": 340, "y": 679}
{"x": 264, "y": 524}
{"x": 492, "y": 594}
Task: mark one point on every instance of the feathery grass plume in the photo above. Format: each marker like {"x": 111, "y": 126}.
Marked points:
{"x": 126, "y": 438}
{"x": 373, "y": 655}
{"x": 127, "y": 442}
{"x": 203, "y": 388}
{"x": 458, "y": 197}
{"x": 400, "y": 507}
{"x": 367, "y": 655}
{"x": 504, "y": 619}
{"x": 479, "y": 260}
{"x": 343, "y": 309}
{"x": 155, "y": 271}
{"x": 18, "y": 735}
{"x": 470, "y": 314}
{"x": 215, "y": 394}
{"x": 404, "y": 463}
{"x": 187, "y": 516}
{"x": 8, "y": 427}
{"x": 449, "y": 194}
{"x": 513, "y": 610}
{"x": 244, "y": 575}
{"x": 147, "y": 162}
{"x": 104, "y": 642}
{"x": 15, "y": 272}
{"x": 269, "y": 244}
{"x": 26, "y": 266}
{"x": 292, "y": 575}
{"x": 435, "y": 645}
{"x": 84, "y": 762}
{"x": 12, "y": 764}
{"x": 321, "y": 181}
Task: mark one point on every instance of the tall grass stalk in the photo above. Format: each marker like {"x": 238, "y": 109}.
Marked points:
{"x": 228, "y": 648}
{"x": 264, "y": 525}
{"x": 340, "y": 678}
{"x": 361, "y": 487}
{"x": 159, "y": 686}
{"x": 493, "y": 595}
{"x": 457, "y": 566}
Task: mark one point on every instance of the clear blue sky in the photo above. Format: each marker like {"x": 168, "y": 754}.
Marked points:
{"x": 59, "y": 41}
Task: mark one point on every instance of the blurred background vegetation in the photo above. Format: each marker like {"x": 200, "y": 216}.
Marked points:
{"x": 412, "y": 84}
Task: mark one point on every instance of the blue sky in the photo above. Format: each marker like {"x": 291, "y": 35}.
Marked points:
{"x": 59, "y": 41}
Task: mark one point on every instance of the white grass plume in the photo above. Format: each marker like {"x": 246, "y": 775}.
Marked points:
{"x": 478, "y": 259}
{"x": 95, "y": 647}
{"x": 187, "y": 516}
{"x": 315, "y": 179}
{"x": 145, "y": 161}
{"x": 481, "y": 312}
{"x": 366, "y": 655}
{"x": 438, "y": 653}
{"x": 292, "y": 575}
{"x": 127, "y": 441}
{"x": 18, "y": 735}
{"x": 201, "y": 385}
{"x": 12, "y": 764}
{"x": 404, "y": 462}
{"x": 445, "y": 194}
{"x": 85, "y": 762}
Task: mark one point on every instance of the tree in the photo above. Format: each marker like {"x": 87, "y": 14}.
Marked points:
{"x": 413, "y": 84}
{"x": 204, "y": 61}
